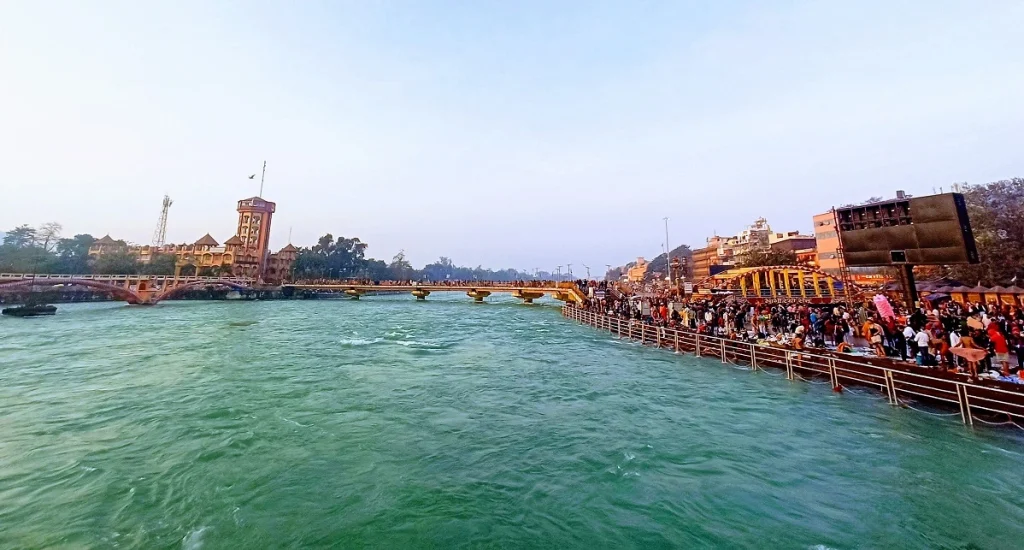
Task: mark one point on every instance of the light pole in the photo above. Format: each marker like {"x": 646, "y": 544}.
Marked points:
{"x": 668, "y": 251}
{"x": 608, "y": 270}
{"x": 568, "y": 268}
{"x": 558, "y": 270}
{"x": 588, "y": 271}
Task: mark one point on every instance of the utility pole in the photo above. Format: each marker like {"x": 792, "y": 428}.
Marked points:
{"x": 668, "y": 248}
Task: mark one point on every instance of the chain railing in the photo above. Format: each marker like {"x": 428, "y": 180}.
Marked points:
{"x": 967, "y": 398}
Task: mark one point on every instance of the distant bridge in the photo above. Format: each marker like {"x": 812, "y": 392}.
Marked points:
{"x": 478, "y": 290}
{"x": 150, "y": 289}
{"x": 134, "y": 289}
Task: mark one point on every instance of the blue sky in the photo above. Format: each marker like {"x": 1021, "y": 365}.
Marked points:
{"x": 508, "y": 134}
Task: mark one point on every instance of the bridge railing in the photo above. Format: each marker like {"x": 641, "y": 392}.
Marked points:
{"x": 969, "y": 398}
{"x": 62, "y": 277}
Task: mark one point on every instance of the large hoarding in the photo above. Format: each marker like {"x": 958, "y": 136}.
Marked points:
{"x": 932, "y": 230}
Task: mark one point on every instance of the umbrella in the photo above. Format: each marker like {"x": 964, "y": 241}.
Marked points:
{"x": 1014, "y": 290}
{"x": 998, "y": 290}
{"x": 937, "y": 297}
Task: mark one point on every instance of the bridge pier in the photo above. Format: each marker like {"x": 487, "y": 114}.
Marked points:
{"x": 478, "y": 295}
{"x": 420, "y": 294}
{"x": 527, "y": 296}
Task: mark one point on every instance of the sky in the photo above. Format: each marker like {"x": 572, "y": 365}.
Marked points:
{"x": 522, "y": 134}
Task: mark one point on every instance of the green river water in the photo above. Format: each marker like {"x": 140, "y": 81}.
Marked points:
{"x": 386, "y": 423}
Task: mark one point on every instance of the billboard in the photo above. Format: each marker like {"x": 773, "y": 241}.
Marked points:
{"x": 932, "y": 230}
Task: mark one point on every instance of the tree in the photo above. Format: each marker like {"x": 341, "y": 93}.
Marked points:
{"x": 48, "y": 236}
{"x": 440, "y": 270}
{"x": 767, "y": 257}
{"x": 660, "y": 264}
{"x": 73, "y": 254}
{"x": 331, "y": 258}
{"x": 20, "y": 237}
{"x": 120, "y": 262}
{"x": 160, "y": 264}
{"x": 996, "y": 212}
{"x": 400, "y": 268}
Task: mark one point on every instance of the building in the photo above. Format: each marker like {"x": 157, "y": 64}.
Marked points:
{"x": 756, "y": 236}
{"x": 244, "y": 254}
{"x": 792, "y": 242}
{"x": 637, "y": 273}
{"x": 826, "y": 239}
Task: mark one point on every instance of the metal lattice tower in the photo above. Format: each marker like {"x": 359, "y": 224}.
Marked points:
{"x": 160, "y": 235}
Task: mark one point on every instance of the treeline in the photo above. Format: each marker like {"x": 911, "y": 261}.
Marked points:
{"x": 343, "y": 258}
{"x": 27, "y": 249}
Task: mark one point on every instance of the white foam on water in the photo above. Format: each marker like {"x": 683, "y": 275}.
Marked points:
{"x": 294, "y": 422}
{"x": 358, "y": 341}
{"x": 193, "y": 540}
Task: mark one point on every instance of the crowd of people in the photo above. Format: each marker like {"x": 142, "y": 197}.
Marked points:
{"x": 979, "y": 339}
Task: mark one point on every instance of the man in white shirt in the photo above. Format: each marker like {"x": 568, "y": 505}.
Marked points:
{"x": 923, "y": 339}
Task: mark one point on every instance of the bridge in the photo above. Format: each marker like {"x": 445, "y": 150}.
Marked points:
{"x": 151, "y": 289}
{"x": 478, "y": 290}
{"x": 134, "y": 289}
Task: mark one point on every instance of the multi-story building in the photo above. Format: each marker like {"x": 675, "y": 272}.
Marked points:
{"x": 826, "y": 238}
{"x": 245, "y": 254}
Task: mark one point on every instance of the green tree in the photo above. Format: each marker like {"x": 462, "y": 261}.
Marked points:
{"x": 768, "y": 257}
{"x": 332, "y": 258}
{"x": 120, "y": 262}
{"x": 73, "y": 254}
{"x": 996, "y": 212}
{"x": 159, "y": 264}
{"x": 400, "y": 268}
{"x": 20, "y": 237}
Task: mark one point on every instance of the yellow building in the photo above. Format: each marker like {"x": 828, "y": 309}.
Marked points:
{"x": 636, "y": 273}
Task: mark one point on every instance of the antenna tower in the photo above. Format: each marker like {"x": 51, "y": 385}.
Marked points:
{"x": 160, "y": 235}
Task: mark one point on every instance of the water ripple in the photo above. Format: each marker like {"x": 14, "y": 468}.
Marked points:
{"x": 386, "y": 423}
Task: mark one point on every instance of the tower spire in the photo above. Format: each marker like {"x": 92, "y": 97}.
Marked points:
{"x": 160, "y": 235}
{"x": 262, "y": 177}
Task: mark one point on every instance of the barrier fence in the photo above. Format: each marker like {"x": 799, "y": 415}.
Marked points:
{"x": 973, "y": 401}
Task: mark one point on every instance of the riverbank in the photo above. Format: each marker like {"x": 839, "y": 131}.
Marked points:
{"x": 987, "y": 401}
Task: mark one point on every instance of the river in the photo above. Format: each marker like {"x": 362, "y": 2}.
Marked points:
{"x": 387, "y": 423}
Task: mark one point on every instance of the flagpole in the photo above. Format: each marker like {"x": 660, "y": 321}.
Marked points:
{"x": 264, "y": 175}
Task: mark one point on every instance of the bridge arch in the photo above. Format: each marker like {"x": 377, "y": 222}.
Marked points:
{"x": 178, "y": 290}
{"x": 120, "y": 292}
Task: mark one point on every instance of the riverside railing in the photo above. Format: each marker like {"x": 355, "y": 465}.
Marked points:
{"x": 972, "y": 400}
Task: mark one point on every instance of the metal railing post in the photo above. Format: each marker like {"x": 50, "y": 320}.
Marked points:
{"x": 789, "y": 366}
{"x": 890, "y": 387}
{"x": 676, "y": 344}
{"x": 723, "y": 351}
{"x": 697, "y": 346}
{"x": 753, "y": 357}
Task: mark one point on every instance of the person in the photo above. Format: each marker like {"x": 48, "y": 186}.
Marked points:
{"x": 1000, "y": 347}
{"x": 876, "y": 339}
{"x": 908, "y": 334}
{"x": 970, "y": 352}
{"x": 922, "y": 338}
